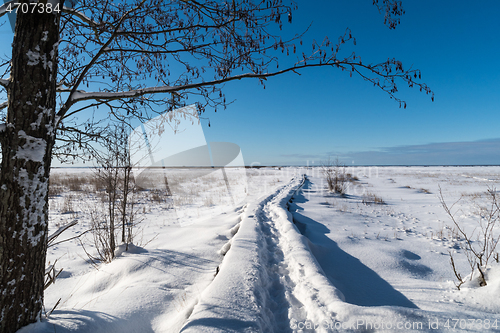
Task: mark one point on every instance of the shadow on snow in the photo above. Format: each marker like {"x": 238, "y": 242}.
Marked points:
{"x": 66, "y": 321}
{"x": 359, "y": 284}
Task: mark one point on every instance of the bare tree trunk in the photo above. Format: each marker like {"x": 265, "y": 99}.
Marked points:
{"x": 112, "y": 192}
{"x": 126, "y": 190}
{"x": 27, "y": 142}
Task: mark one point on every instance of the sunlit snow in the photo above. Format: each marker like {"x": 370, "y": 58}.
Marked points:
{"x": 290, "y": 257}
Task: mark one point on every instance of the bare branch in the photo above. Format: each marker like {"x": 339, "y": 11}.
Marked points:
{"x": 78, "y": 96}
{"x": 392, "y": 10}
{"x": 101, "y": 51}
{"x": 191, "y": 48}
{"x": 457, "y": 275}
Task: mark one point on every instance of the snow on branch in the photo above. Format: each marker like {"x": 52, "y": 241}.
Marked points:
{"x": 4, "y": 82}
{"x": 3, "y": 8}
{"x": 80, "y": 15}
{"x": 81, "y": 95}
{"x": 59, "y": 231}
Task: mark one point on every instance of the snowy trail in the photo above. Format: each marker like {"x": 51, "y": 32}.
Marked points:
{"x": 269, "y": 280}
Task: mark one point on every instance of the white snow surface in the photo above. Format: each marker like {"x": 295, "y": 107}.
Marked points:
{"x": 291, "y": 257}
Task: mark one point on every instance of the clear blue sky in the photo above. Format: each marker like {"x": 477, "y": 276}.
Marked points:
{"x": 300, "y": 119}
{"x": 297, "y": 119}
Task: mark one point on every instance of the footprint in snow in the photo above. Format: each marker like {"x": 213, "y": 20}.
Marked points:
{"x": 410, "y": 255}
{"x": 414, "y": 268}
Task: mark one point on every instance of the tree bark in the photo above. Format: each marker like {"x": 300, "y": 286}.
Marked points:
{"x": 27, "y": 143}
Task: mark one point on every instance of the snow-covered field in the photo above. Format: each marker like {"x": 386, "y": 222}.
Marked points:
{"x": 279, "y": 253}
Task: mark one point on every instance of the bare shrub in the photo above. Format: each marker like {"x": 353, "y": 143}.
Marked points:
{"x": 75, "y": 183}
{"x": 371, "y": 198}
{"x": 183, "y": 200}
{"x": 103, "y": 227}
{"x": 114, "y": 176}
{"x": 98, "y": 183}
{"x": 59, "y": 183}
{"x": 129, "y": 222}
{"x": 67, "y": 207}
{"x": 103, "y": 236}
{"x": 55, "y": 190}
{"x": 126, "y": 206}
{"x": 336, "y": 176}
{"x": 56, "y": 179}
{"x": 480, "y": 244}
{"x": 208, "y": 201}
{"x": 103, "y": 231}
{"x": 71, "y": 182}
{"x": 118, "y": 197}
{"x": 352, "y": 178}
{"x": 156, "y": 195}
